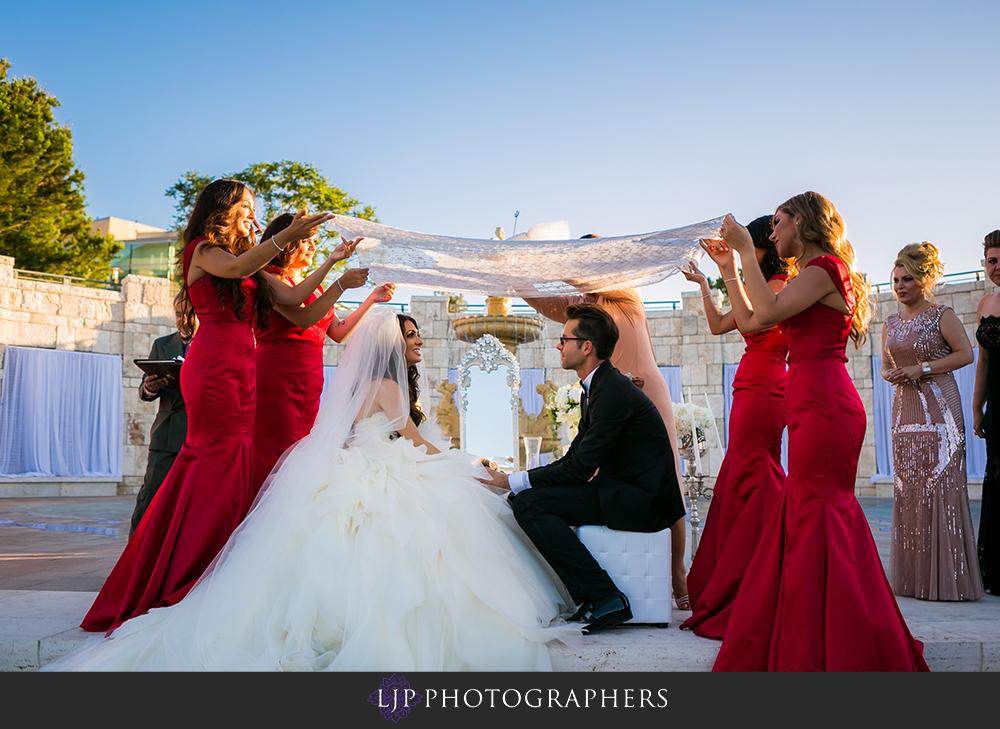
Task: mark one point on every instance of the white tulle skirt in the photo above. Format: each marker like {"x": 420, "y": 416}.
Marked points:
{"x": 376, "y": 558}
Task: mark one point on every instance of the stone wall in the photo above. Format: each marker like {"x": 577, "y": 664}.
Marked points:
{"x": 55, "y": 315}
{"x": 60, "y": 316}
{"x": 681, "y": 338}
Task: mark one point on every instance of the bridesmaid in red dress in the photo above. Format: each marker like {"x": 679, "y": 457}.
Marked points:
{"x": 290, "y": 349}
{"x": 815, "y": 596}
{"x": 751, "y": 475}
{"x": 206, "y": 493}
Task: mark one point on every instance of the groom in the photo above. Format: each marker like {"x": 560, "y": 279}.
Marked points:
{"x": 619, "y": 471}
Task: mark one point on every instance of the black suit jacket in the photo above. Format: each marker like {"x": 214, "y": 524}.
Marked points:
{"x": 170, "y": 426}
{"x": 623, "y": 435}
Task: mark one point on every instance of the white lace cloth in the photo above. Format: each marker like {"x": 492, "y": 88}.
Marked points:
{"x": 522, "y": 268}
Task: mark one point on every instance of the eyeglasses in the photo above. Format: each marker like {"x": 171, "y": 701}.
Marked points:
{"x": 563, "y": 340}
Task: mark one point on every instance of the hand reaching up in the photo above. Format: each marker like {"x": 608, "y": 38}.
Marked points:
{"x": 736, "y": 236}
{"x": 353, "y": 278}
{"x": 345, "y": 249}
{"x": 718, "y": 251}
{"x": 383, "y": 293}
{"x": 304, "y": 225}
{"x": 691, "y": 272}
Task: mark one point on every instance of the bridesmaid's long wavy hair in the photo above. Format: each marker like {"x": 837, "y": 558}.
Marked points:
{"x": 412, "y": 376}
{"x": 760, "y": 231}
{"x": 820, "y": 225}
{"x": 212, "y": 218}
{"x": 284, "y": 259}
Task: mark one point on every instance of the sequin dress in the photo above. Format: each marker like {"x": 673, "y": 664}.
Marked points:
{"x": 988, "y": 336}
{"x": 933, "y": 554}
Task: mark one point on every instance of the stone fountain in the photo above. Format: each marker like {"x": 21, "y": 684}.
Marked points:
{"x": 511, "y": 329}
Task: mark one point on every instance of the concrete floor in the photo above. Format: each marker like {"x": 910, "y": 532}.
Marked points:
{"x": 55, "y": 554}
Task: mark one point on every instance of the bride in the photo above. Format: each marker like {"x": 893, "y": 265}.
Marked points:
{"x": 368, "y": 549}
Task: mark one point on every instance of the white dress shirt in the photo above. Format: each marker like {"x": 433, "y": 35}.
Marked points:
{"x": 518, "y": 481}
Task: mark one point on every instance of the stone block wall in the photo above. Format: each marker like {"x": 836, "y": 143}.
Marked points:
{"x": 60, "y": 316}
{"x": 682, "y": 338}
{"x": 56, "y": 315}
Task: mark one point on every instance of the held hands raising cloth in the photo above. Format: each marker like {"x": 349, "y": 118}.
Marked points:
{"x": 522, "y": 268}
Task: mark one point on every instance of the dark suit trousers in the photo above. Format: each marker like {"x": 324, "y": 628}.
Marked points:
{"x": 157, "y": 466}
{"x": 548, "y": 515}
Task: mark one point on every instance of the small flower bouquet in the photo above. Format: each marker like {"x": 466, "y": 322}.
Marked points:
{"x": 564, "y": 405}
{"x": 682, "y": 422}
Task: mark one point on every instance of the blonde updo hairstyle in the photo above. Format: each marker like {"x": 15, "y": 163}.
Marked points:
{"x": 923, "y": 262}
{"x": 992, "y": 240}
{"x": 819, "y": 224}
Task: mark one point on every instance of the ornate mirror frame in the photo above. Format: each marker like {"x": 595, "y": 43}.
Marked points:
{"x": 488, "y": 354}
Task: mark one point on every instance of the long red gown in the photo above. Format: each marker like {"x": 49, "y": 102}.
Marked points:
{"x": 289, "y": 384}
{"x": 747, "y": 486}
{"x": 206, "y": 493}
{"x": 815, "y": 596}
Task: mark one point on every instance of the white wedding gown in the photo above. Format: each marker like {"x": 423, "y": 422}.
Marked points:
{"x": 376, "y": 558}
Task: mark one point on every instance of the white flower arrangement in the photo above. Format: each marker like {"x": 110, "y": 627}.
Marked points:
{"x": 682, "y": 421}
{"x": 564, "y": 404}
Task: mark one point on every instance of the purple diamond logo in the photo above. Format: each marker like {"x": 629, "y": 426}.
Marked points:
{"x": 394, "y": 698}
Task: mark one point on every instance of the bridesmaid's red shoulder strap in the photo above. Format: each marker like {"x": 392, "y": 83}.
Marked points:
{"x": 838, "y": 272}
{"x": 189, "y": 253}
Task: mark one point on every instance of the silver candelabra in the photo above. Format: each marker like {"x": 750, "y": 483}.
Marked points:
{"x": 694, "y": 487}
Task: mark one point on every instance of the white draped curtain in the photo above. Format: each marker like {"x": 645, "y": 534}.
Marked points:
{"x": 328, "y": 372}
{"x": 61, "y": 414}
{"x": 975, "y": 447}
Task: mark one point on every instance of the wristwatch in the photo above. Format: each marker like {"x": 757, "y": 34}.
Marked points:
{"x": 925, "y": 367}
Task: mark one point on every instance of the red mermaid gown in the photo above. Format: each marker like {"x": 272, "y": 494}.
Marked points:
{"x": 289, "y": 384}
{"x": 206, "y": 493}
{"x": 815, "y": 596}
{"x": 747, "y": 486}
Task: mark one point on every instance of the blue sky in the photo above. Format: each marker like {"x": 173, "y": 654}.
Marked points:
{"x": 619, "y": 117}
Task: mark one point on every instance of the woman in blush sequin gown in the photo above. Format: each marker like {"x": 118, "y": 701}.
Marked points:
{"x": 289, "y": 359}
{"x": 815, "y": 596}
{"x": 933, "y": 555}
{"x": 987, "y": 395}
{"x": 751, "y": 475}
{"x": 206, "y": 493}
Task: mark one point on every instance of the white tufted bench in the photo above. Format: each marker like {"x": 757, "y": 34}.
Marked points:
{"x": 639, "y": 564}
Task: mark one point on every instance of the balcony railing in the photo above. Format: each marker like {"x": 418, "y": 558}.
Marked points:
{"x": 59, "y": 279}
{"x": 951, "y": 278}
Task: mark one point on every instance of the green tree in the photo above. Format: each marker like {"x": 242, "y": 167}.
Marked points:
{"x": 42, "y": 220}
{"x": 278, "y": 187}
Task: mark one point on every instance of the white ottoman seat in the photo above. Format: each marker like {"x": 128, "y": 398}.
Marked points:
{"x": 639, "y": 563}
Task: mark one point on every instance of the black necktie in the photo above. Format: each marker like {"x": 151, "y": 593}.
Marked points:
{"x": 584, "y": 397}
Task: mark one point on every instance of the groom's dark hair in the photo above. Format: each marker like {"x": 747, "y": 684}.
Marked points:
{"x": 594, "y": 324}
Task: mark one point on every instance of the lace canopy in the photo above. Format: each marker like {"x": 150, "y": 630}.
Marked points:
{"x": 522, "y": 268}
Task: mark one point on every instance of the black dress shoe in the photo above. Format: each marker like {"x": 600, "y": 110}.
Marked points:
{"x": 577, "y": 617}
{"x": 606, "y": 613}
